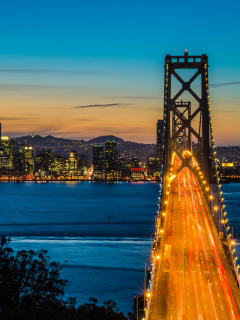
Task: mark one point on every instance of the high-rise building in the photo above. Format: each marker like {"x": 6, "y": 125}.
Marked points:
{"x": 72, "y": 164}
{"x": 153, "y": 164}
{"x": 29, "y": 160}
{"x": 135, "y": 162}
{"x": 42, "y": 163}
{"x": 83, "y": 162}
{"x": 13, "y": 147}
{"x": 98, "y": 157}
{"x": 111, "y": 155}
{"x": 19, "y": 164}
{"x": 58, "y": 166}
{"x": 160, "y": 140}
{"x": 0, "y": 133}
{"x": 6, "y": 145}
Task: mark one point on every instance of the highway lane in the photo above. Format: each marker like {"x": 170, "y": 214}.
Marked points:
{"x": 189, "y": 278}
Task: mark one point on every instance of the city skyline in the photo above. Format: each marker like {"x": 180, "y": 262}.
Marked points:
{"x": 85, "y": 70}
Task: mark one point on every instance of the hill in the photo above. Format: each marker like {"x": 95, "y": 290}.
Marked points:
{"x": 128, "y": 149}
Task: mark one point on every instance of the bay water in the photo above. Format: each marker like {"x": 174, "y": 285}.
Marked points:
{"x": 99, "y": 232}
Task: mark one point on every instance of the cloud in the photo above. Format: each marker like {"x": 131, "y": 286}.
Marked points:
{"x": 83, "y": 119}
{"x": 138, "y": 97}
{"x": 14, "y": 118}
{"x": 223, "y": 84}
{"x": 103, "y": 105}
{"x": 29, "y": 86}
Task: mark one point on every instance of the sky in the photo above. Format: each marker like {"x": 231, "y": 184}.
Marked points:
{"x": 81, "y": 69}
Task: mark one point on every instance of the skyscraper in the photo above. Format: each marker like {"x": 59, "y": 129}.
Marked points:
{"x": 160, "y": 140}
{"x": 29, "y": 160}
{"x": 5, "y": 141}
{"x": 98, "y": 157}
{"x": 42, "y": 163}
{"x": 111, "y": 155}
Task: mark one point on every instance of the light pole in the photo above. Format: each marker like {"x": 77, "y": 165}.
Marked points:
{"x": 216, "y": 209}
{"x": 232, "y": 228}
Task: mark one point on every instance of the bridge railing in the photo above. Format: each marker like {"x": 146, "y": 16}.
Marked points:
{"x": 157, "y": 250}
{"x": 220, "y": 223}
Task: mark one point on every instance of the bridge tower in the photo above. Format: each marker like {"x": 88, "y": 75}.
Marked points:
{"x": 181, "y": 127}
{"x": 176, "y": 122}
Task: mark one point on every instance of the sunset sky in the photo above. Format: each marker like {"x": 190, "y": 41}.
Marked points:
{"x": 81, "y": 69}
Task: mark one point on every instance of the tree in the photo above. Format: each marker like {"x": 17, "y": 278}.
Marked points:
{"x": 91, "y": 311}
{"x": 28, "y": 276}
{"x": 31, "y": 289}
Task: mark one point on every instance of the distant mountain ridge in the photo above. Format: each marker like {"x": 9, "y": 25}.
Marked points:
{"x": 103, "y": 139}
{"x": 64, "y": 146}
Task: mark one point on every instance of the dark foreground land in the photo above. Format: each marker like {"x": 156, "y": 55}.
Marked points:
{"x": 31, "y": 289}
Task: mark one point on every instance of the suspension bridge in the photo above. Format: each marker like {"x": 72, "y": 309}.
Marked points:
{"x": 193, "y": 271}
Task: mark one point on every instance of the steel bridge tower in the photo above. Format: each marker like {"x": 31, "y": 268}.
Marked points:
{"x": 178, "y": 121}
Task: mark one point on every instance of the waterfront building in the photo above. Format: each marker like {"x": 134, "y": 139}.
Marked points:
{"x": 43, "y": 163}
{"x": 58, "y": 166}
{"x": 121, "y": 163}
{"x": 137, "y": 173}
{"x": 153, "y": 165}
{"x": 98, "y": 162}
{"x": 72, "y": 164}
{"x": 19, "y": 164}
{"x": 28, "y": 159}
{"x": 135, "y": 162}
{"x": 5, "y": 143}
{"x": 98, "y": 159}
{"x": 111, "y": 156}
{"x": 13, "y": 147}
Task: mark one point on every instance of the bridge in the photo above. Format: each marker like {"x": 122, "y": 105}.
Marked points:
{"x": 193, "y": 271}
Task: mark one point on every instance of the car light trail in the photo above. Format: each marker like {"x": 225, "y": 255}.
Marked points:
{"x": 190, "y": 280}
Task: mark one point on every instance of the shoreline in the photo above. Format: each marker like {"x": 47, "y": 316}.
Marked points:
{"x": 76, "y": 180}
{"x": 225, "y": 181}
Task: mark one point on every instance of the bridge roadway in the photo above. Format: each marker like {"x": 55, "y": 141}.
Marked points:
{"x": 190, "y": 281}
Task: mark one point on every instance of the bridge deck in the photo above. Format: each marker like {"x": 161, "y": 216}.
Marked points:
{"x": 191, "y": 280}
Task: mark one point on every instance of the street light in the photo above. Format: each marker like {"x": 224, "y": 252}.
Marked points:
{"x": 232, "y": 230}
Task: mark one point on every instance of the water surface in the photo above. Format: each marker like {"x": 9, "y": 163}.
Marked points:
{"x": 102, "y": 230}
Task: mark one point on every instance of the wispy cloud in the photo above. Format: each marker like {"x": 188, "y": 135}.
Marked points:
{"x": 103, "y": 105}
{"x": 84, "y": 119}
{"x": 224, "y": 84}
{"x": 12, "y": 118}
{"x": 138, "y": 97}
{"x": 35, "y": 86}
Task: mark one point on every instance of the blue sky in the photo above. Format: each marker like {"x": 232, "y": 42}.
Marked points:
{"x": 57, "y": 55}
